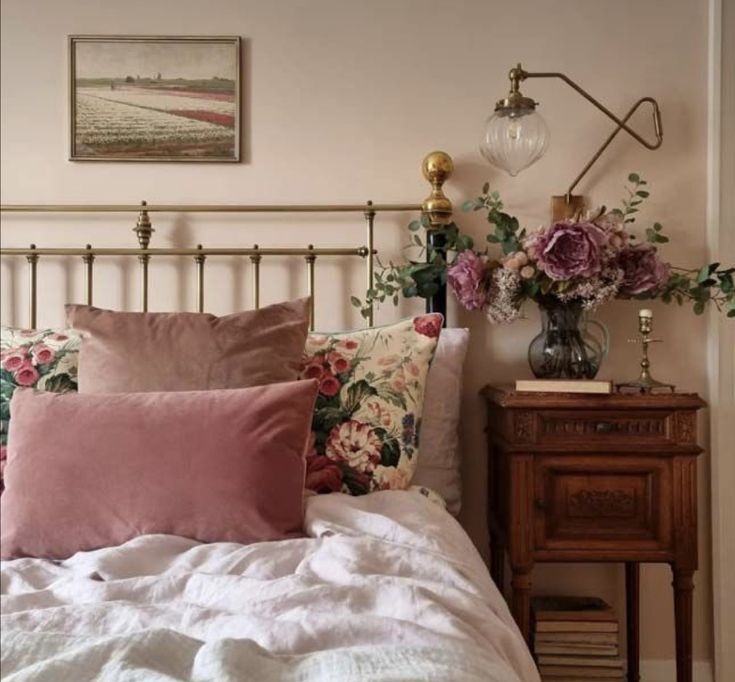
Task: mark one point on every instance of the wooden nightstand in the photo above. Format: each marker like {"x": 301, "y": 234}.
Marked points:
{"x": 576, "y": 477}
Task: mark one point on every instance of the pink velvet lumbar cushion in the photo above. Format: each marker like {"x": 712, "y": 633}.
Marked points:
{"x": 124, "y": 352}
{"x": 90, "y": 471}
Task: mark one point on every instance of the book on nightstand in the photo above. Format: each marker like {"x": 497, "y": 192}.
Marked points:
{"x": 576, "y": 638}
{"x": 564, "y": 386}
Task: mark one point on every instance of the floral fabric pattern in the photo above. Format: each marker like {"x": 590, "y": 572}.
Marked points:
{"x": 368, "y": 411}
{"x": 46, "y": 359}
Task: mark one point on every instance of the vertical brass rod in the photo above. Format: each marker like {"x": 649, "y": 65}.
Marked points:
{"x": 310, "y": 265}
{"x": 369, "y": 264}
{"x": 255, "y": 260}
{"x": 88, "y": 260}
{"x": 144, "y": 260}
{"x": 32, "y": 288}
{"x": 199, "y": 260}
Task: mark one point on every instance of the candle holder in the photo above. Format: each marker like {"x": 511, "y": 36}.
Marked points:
{"x": 645, "y": 382}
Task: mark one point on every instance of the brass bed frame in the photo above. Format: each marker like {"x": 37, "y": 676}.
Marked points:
{"x": 436, "y": 211}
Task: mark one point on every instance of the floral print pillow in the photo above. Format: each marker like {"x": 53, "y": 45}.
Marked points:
{"x": 367, "y": 414}
{"x": 46, "y": 359}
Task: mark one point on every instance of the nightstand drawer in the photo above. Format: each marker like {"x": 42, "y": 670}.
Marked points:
{"x": 605, "y": 427}
{"x": 622, "y": 502}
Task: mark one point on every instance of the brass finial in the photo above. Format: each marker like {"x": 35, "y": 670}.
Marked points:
{"x": 143, "y": 228}
{"x": 437, "y": 167}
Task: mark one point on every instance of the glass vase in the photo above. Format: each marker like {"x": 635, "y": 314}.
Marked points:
{"x": 566, "y": 348}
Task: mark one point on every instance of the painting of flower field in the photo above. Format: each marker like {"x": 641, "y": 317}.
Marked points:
{"x": 147, "y": 99}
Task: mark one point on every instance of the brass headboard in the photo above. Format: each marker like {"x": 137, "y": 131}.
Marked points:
{"x": 436, "y": 208}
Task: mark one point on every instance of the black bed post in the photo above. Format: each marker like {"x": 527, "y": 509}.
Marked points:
{"x": 437, "y": 208}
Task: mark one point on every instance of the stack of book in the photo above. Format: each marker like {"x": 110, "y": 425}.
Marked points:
{"x": 575, "y": 639}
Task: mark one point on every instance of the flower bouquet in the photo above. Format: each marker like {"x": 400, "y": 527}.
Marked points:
{"x": 569, "y": 268}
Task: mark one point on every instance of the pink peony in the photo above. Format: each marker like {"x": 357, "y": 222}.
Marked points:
{"x": 467, "y": 277}
{"x": 429, "y": 325}
{"x": 14, "y": 359}
{"x": 566, "y": 249}
{"x": 322, "y": 475}
{"x": 643, "y": 271}
{"x": 26, "y": 375}
{"x": 329, "y": 385}
{"x": 356, "y": 444}
{"x": 338, "y": 363}
{"x": 42, "y": 354}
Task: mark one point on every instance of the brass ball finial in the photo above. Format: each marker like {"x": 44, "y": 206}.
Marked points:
{"x": 437, "y": 167}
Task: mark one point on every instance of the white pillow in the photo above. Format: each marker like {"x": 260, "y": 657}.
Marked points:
{"x": 439, "y": 457}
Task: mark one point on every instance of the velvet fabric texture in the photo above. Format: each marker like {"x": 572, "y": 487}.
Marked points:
{"x": 132, "y": 352}
{"x": 90, "y": 471}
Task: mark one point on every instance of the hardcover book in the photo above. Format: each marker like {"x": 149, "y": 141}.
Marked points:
{"x": 564, "y": 386}
{"x": 565, "y": 648}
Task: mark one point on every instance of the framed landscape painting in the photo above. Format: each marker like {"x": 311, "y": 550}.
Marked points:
{"x": 145, "y": 98}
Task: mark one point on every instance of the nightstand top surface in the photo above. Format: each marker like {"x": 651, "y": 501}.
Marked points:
{"x": 507, "y": 396}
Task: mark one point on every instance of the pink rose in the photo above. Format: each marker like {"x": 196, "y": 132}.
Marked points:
{"x": 329, "y": 385}
{"x": 338, "y": 363}
{"x": 348, "y": 345}
{"x": 15, "y": 359}
{"x": 42, "y": 354}
{"x": 412, "y": 368}
{"x": 26, "y": 375}
{"x": 429, "y": 325}
{"x": 313, "y": 370}
{"x": 322, "y": 475}
{"x": 58, "y": 337}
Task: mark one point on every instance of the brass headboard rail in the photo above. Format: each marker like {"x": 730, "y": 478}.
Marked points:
{"x": 208, "y": 208}
{"x": 436, "y": 210}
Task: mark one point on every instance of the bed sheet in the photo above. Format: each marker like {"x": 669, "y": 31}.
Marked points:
{"x": 386, "y": 587}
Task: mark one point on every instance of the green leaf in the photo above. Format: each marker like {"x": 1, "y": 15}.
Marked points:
{"x": 661, "y": 239}
{"x": 390, "y": 454}
{"x": 658, "y": 227}
{"x": 703, "y": 274}
{"x": 643, "y": 194}
{"x": 355, "y": 301}
{"x": 492, "y": 239}
{"x": 486, "y": 188}
{"x": 634, "y": 177}
{"x": 414, "y": 225}
{"x": 469, "y": 205}
{"x": 699, "y": 307}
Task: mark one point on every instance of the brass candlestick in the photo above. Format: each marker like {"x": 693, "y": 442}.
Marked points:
{"x": 645, "y": 382}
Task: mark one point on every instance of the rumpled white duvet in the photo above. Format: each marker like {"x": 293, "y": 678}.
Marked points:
{"x": 386, "y": 587}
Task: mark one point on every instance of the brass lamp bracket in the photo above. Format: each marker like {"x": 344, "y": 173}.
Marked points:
{"x": 569, "y": 205}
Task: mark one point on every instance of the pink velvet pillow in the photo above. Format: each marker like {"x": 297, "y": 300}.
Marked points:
{"x": 90, "y": 471}
{"x": 124, "y": 352}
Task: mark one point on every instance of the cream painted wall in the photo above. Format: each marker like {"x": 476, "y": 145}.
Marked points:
{"x": 341, "y": 101}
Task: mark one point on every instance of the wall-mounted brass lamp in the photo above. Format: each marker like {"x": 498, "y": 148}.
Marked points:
{"x": 516, "y": 135}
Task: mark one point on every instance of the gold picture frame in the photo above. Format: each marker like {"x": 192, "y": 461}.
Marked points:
{"x": 154, "y": 98}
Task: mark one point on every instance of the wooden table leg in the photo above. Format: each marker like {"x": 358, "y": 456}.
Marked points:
{"x": 521, "y": 605}
{"x": 683, "y": 587}
{"x": 632, "y": 601}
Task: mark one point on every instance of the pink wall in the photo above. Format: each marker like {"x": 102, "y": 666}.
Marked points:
{"x": 341, "y": 101}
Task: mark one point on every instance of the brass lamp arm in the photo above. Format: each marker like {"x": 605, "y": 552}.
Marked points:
{"x": 519, "y": 74}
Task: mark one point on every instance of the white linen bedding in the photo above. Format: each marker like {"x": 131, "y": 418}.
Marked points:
{"x": 386, "y": 587}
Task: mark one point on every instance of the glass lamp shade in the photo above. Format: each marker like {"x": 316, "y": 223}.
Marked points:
{"x": 514, "y": 139}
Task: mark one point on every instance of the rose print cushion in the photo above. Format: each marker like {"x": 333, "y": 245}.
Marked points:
{"x": 46, "y": 359}
{"x": 368, "y": 410}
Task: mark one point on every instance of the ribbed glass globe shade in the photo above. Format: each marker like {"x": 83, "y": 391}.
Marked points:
{"x": 514, "y": 140}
